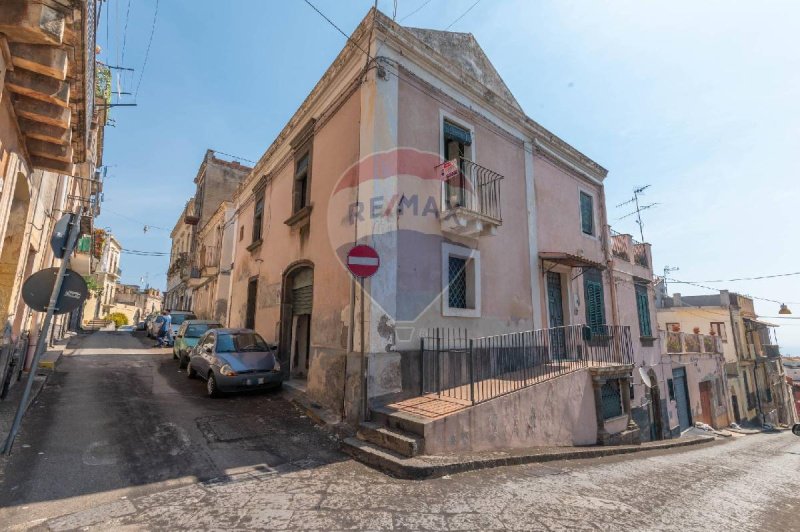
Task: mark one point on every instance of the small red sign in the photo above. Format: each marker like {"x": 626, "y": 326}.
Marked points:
{"x": 363, "y": 261}
{"x": 448, "y": 170}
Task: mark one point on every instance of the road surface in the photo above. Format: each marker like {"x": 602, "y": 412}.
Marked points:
{"x": 120, "y": 438}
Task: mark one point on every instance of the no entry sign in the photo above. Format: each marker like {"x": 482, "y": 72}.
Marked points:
{"x": 363, "y": 261}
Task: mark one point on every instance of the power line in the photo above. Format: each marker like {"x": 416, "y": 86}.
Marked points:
{"x": 462, "y": 15}
{"x": 146, "y": 225}
{"x": 337, "y": 28}
{"x": 750, "y": 278}
{"x": 234, "y": 156}
{"x": 147, "y": 52}
{"x": 425, "y": 3}
{"x": 750, "y": 296}
{"x": 125, "y": 32}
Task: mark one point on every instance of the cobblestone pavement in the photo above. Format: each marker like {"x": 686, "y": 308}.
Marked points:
{"x": 746, "y": 483}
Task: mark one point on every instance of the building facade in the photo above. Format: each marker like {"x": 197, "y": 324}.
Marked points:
{"x": 484, "y": 222}
{"x": 216, "y": 182}
{"x": 214, "y": 258}
{"x": 52, "y": 118}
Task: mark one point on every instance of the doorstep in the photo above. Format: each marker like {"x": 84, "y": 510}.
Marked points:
{"x": 422, "y": 467}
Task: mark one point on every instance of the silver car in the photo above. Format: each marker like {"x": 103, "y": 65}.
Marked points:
{"x": 233, "y": 360}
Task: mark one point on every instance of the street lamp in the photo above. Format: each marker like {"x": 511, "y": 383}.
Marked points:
{"x": 784, "y": 309}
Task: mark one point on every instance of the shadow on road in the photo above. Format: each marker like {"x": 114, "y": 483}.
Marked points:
{"x": 117, "y": 414}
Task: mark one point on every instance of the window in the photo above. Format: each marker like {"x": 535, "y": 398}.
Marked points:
{"x": 241, "y": 342}
{"x": 671, "y": 389}
{"x": 301, "y": 182}
{"x": 719, "y": 328}
{"x": 587, "y": 214}
{"x": 593, "y": 294}
{"x": 643, "y": 309}
{"x": 611, "y": 399}
{"x": 457, "y": 145}
{"x": 461, "y": 288}
{"x": 241, "y": 233}
{"x": 252, "y": 292}
{"x": 258, "y": 219}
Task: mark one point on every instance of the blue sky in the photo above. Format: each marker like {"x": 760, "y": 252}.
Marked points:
{"x": 699, "y": 100}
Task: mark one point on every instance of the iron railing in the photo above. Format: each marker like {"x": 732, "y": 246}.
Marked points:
{"x": 473, "y": 188}
{"x": 474, "y": 370}
{"x": 619, "y": 246}
{"x": 640, "y": 254}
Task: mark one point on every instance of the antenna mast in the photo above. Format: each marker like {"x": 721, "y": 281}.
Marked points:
{"x": 639, "y": 208}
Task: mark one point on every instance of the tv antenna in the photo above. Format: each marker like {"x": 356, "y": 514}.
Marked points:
{"x": 667, "y": 271}
{"x": 639, "y": 208}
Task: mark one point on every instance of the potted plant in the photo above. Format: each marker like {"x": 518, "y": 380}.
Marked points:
{"x": 712, "y": 332}
{"x": 676, "y": 327}
{"x": 696, "y": 330}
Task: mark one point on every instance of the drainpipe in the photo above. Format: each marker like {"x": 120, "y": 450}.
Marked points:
{"x": 609, "y": 260}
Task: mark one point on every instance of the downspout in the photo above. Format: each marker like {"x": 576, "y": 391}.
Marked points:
{"x": 609, "y": 260}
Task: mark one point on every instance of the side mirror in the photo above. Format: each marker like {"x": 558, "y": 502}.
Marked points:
{"x": 796, "y": 429}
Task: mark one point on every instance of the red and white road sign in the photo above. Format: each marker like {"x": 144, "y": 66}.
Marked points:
{"x": 363, "y": 261}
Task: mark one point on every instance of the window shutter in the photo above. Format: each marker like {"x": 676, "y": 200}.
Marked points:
{"x": 453, "y": 132}
{"x": 593, "y": 294}
{"x": 643, "y": 309}
{"x": 587, "y": 214}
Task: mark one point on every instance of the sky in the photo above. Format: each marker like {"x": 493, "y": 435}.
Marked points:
{"x": 699, "y": 100}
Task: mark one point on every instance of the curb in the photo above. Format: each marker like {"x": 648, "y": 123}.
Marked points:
{"x": 420, "y": 469}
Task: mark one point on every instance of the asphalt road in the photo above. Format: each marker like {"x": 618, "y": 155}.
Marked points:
{"x": 120, "y": 439}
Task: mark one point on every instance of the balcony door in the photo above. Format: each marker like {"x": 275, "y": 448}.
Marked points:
{"x": 457, "y": 147}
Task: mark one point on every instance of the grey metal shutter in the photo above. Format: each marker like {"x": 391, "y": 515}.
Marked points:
{"x": 301, "y": 300}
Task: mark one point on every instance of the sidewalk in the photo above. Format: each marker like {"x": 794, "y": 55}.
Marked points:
{"x": 8, "y": 407}
{"x": 423, "y": 467}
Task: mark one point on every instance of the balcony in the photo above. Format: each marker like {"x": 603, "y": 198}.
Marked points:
{"x": 625, "y": 248}
{"x": 208, "y": 260}
{"x": 678, "y": 343}
{"x": 470, "y": 198}
{"x": 771, "y": 350}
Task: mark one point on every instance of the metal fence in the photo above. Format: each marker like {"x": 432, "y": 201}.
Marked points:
{"x": 474, "y": 370}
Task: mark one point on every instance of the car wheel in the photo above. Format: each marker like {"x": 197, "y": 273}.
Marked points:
{"x": 211, "y": 386}
{"x": 191, "y": 373}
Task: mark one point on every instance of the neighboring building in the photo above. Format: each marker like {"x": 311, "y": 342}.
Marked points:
{"x": 653, "y": 407}
{"x": 51, "y": 142}
{"x": 105, "y": 275}
{"x": 756, "y": 386}
{"x": 214, "y": 258}
{"x": 136, "y": 303}
{"x": 216, "y": 182}
{"x": 484, "y": 221}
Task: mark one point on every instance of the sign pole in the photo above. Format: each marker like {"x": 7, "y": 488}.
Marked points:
{"x": 365, "y": 409}
{"x": 42, "y": 340}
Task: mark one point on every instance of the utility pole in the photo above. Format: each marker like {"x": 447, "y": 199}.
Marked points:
{"x": 639, "y": 208}
{"x": 72, "y": 238}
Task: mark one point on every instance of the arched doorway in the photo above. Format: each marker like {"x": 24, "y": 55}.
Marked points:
{"x": 11, "y": 255}
{"x": 656, "y": 426}
{"x": 297, "y": 297}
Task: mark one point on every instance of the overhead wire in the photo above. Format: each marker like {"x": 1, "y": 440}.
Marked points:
{"x": 147, "y": 52}
{"x": 323, "y": 15}
{"x": 698, "y": 285}
{"x": 425, "y": 3}
{"x": 462, "y": 15}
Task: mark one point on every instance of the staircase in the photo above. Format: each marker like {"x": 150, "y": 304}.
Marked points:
{"x": 97, "y": 324}
{"x": 496, "y": 393}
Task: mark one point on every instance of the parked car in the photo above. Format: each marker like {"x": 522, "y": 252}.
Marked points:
{"x": 148, "y": 323}
{"x": 234, "y": 360}
{"x": 141, "y": 326}
{"x": 187, "y": 336}
{"x": 126, "y": 328}
{"x": 178, "y": 317}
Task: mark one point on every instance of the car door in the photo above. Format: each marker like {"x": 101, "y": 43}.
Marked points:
{"x": 199, "y": 361}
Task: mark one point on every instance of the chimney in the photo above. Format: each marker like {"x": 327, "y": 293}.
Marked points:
{"x": 724, "y": 298}
{"x": 676, "y": 299}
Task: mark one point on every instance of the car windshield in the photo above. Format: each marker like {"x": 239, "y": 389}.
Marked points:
{"x": 237, "y": 342}
{"x": 177, "y": 319}
{"x": 196, "y": 330}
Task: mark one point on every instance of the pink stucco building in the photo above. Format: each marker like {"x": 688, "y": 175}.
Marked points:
{"x": 493, "y": 286}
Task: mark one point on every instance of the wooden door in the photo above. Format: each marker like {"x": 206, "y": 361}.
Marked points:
{"x": 705, "y": 403}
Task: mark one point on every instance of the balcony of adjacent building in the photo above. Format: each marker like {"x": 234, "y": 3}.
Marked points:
{"x": 471, "y": 200}
{"x": 208, "y": 258}
{"x": 680, "y": 343}
{"x": 625, "y": 248}
{"x": 49, "y": 57}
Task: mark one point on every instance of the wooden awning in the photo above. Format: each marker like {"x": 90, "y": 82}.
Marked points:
{"x": 573, "y": 261}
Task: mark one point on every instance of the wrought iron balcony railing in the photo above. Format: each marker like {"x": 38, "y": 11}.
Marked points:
{"x": 473, "y": 188}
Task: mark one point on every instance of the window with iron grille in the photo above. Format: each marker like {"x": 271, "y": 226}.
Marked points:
{"x": 611, "y": 399}
{"x": 587, "y": 214}
{"x": 457, "y": 296}
{"x": 643, "y": 309}
{"x": 258, "y": 219}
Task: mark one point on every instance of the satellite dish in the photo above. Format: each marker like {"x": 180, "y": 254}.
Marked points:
{"x": 645, "y": 377}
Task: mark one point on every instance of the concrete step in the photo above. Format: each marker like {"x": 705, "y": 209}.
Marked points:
{"x": 393, "y": 439}
{"x": 386, "y": 461}
{"x": 399, "y": 420}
